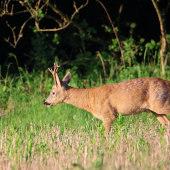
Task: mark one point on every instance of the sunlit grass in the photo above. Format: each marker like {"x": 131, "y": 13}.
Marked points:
{"x": 33, "y": 136}
{"x": 131, "y": 145}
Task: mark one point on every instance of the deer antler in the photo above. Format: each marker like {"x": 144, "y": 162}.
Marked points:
{"x": 54, "y": 73}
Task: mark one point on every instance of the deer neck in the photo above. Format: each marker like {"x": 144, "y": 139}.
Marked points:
{"x": 79, "y": 97}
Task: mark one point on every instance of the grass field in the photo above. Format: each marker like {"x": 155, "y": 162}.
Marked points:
{"x": 33, "y": 136}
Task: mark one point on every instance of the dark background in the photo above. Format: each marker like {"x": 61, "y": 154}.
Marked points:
{"x": 141, "y": 12}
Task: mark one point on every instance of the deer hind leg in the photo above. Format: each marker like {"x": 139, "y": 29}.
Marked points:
{"x": 163, "y": 119}
{"x": 167, "y": 124}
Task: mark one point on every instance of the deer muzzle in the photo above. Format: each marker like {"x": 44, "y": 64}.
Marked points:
{"x": 47, "y": 104}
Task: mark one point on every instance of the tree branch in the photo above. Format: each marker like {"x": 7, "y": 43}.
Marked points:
{"x": 113, "y": 30}
{"x": 163, "y": 38}
{"x": 53, "y": 18}
{"x": 67, "y": 21}
{"x": 34, "y": 12}
{"x": 4, "y": 8}
{"x": 14, "y": 35}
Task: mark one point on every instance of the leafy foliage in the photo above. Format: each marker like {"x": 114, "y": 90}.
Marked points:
{"x": 48, "y": 48}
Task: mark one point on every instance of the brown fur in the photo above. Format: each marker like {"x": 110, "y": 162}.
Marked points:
{"x": 129, "y": 97}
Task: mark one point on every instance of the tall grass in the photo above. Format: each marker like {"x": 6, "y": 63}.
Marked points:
{"x": 65, "y": 137}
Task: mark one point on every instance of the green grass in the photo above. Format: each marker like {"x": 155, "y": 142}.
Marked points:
{"x": 34, "y": 136}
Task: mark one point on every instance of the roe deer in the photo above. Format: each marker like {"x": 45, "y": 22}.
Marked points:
{"x": 105, "y": 102}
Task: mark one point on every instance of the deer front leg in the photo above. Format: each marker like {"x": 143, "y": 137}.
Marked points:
{"x": 109, "y": 114}
{"x": 108, "y": 119}
{"x": 107, "y": 123}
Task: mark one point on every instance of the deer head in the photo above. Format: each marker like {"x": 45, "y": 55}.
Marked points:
{"x": 58, "y": 93}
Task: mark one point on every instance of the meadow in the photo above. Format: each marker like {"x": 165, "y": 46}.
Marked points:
{"x": 33, "y": 136}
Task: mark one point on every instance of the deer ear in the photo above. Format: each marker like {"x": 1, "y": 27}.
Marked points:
{"x": 67, "y": 78}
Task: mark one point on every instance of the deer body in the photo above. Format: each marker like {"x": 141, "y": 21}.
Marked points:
{"x": 105, "y": 102}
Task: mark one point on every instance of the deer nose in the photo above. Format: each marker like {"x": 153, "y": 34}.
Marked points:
{"x": 46, "y": 103}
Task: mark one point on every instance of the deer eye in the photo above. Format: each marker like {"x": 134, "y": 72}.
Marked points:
{"x": 53, "y": 93}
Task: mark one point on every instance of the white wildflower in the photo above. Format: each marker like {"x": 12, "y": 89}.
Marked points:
{"x": 74, "y": 117}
